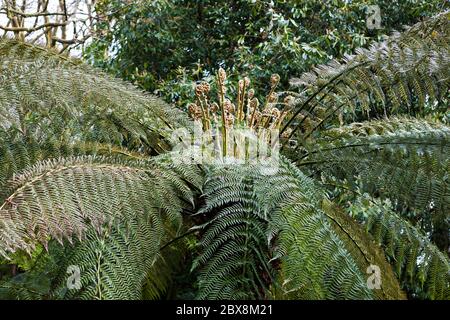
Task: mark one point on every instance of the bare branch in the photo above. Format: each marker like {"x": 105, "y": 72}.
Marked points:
{"x": 60, "y": 24}
{"x": 32, "y": 14}
{"x": 45, "y": 25}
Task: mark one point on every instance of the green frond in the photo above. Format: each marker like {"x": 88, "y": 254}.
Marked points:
{"x": 404, "y": 159}
{"x": 59, "y": 198}
{"x": 115, "y": 262}
{"x": 362, "y": 248}
{"x": 399, "y": 75}
{"x": 235, "y": 258}
{"x": 421, "y": 267}
{"x": 123, "y": 262}
{"x": 112, "y": 216}
{"x": 17, "y": 152}
{"x": 76, "y": 102}
{"x": 276, "y": 220}
{"x": 315, "y": 263}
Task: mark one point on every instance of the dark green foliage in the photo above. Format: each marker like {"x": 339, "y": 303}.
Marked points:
{"x": 164, "y": 45}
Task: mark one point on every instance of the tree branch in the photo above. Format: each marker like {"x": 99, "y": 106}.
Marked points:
{"x": 45, "y": 25}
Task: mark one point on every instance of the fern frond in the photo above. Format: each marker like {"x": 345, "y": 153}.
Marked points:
{"x": 419, "y": 264}
{"x": 112, "y": 216}
{"x": 315, "y": 262}
{"x": 73, "y": 100}
{"x": 115, "y": 263}
{"x": 277, "y": 218}
{"x": 361, "y": 246}
{"x": 59, "y": 198}
{"x": 408, "y": 69}
{"x": 17, "y": 152}
{"x": 234, "y": 258}
{"x": 404, "y": 159}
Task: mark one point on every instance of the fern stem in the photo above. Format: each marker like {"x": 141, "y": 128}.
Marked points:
{"x": 224, "y": 129}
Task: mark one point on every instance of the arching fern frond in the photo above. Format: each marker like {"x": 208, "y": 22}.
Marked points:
{"x": 275, "y": 219}
{"x": 235, "y": 255}
{"x": 322, "y": 256}
{"x": 115, "y": 263}
{"x": 404, "y": 159}
{"x": 112, "y": 216}
{"x": 399, "y": 75}
{"x": 361, "y": 246}
{"x": 17, "y": 152}
{"x": 60, "y": 198}
{"x": 74, "y": 101}
{"x": 419, "y": 264}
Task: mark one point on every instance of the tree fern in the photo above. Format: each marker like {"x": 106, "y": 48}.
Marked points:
{"x": 79, "y": 186}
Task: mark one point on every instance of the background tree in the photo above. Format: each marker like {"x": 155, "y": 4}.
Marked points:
{"x": 165, "y": 45}
{"x": 61, "y": 24}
